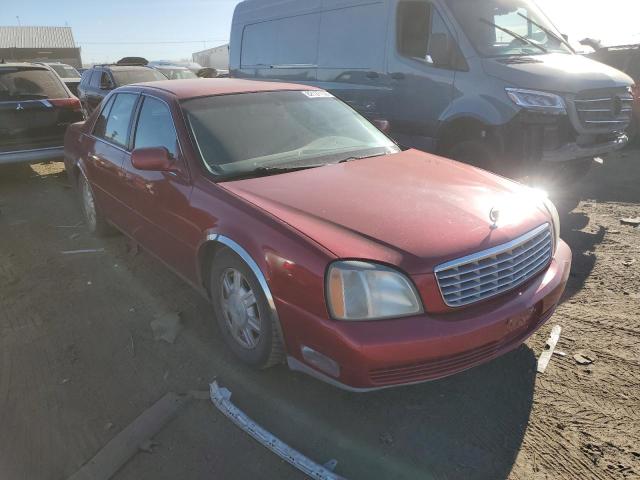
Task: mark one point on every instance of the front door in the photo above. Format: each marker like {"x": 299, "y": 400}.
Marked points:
{"x": 160, "y": 200}
{"x": 420, "y": 72}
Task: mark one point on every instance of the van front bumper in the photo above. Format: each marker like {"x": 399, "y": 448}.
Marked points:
{"x": 573, "y": 151}
{"x": 389, "y": 353}
{"x": 32, "y": 156}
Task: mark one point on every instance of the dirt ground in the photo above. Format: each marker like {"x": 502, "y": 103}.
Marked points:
{"x": 79, "y": 362}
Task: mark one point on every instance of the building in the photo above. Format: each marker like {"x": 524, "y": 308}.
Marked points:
{"x": 39, "y": 44}
{"x": 217, "y": 57}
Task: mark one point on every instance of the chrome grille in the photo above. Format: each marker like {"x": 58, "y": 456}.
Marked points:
{"x": 497, "y": 270}
{"x": 605, "y": 109}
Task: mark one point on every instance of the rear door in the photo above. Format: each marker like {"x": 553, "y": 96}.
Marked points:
{"x": 35, "y": 109}
{"x": 107, "y": 148}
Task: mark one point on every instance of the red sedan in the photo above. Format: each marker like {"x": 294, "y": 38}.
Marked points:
{"x": 317, "y": 240}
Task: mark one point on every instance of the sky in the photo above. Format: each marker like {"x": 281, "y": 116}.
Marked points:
{"x": 174, "y": 29}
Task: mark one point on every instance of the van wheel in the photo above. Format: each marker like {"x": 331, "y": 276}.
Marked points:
{"x": 474, "y": 152}
{"x": 243, "y": 313}
{"x": 96, "y": 223}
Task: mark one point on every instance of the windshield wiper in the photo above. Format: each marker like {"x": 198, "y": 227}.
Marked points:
{"x": 515, "y": 35}
{"x": 549, "y": 32}
{"x": 267, "y": 171}
{"x": 350, "y": 159}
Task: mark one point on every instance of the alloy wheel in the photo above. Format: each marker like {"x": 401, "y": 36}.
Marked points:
{"x": 240, "y": 309}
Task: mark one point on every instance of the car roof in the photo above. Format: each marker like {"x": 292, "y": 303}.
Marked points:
{"x": 121, "y": 67}
{"x": 205, "y": 87}
{"x": 24, "y": 64}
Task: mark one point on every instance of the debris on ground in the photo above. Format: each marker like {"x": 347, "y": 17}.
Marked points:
{"x": 221, "y": 398}
{"x": 584, "y": 357}
{"x": 147, "y": 446}
{"x": 133, "y": 438}
{"x": 634, "y": 222}
{"x": 549, "y": 347}
{"x": 628, "y": 263}
{"x": 80, "y": 252}
{"x": 166, "y": 327}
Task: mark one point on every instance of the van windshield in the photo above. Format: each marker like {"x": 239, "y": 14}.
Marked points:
{"x": 250, "y": 133}
{"x": 507, "y": 27}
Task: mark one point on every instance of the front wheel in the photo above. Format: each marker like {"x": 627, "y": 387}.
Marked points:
{"x": 243, "y": 313}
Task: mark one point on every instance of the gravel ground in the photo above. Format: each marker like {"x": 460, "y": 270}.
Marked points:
{"x": 79, "y": 362}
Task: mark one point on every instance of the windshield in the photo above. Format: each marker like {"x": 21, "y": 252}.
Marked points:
{"x": 178, "y": 73}
{"x": 237, "y": 134}
{"x": 507, "y": 27}
{"x": 138, "y": 75}
{"x": 29, "y": 83}
{"x": 65, "y": 71}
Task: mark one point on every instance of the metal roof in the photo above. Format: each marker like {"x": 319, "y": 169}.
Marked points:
{"x": 36, "y": 37}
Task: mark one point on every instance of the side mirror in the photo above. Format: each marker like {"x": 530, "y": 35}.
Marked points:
{"x": 155, "y": 159}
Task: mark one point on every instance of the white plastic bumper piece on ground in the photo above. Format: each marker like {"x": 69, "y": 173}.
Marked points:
{"x": 221, "y": 398}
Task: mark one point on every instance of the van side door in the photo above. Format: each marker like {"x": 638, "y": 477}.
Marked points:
{"x": 282, "y": 48}
{"x": 351, "y": 55}
{"x": 421, "y": 66}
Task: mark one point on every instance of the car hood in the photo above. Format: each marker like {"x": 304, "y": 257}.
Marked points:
{"x": 410, "y": 209}
{"x": 556, "y": 72}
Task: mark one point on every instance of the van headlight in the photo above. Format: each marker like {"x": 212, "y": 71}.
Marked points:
{"x": 543, "y": 102}
{"x": 367, "y": 291}
{"x": 555, "y": 219}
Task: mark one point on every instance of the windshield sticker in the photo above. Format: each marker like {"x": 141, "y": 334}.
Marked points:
{"x": 317, "y": 94}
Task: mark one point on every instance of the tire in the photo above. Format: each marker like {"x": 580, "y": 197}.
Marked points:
{"x": 474, "y": 152}
{"x": 94, "y": 219}
{"x": 248, "y": 326}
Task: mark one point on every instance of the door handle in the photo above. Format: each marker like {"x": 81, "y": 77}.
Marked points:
{"x": 373, "y": 75}
{"x": 397, "y": 76}
{"x": 95, "y": 158}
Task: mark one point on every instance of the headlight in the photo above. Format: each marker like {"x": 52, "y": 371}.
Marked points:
{"x": 555, "y": 218}
{"x": 366, "y": 291}
{"x": 542, "y": 102}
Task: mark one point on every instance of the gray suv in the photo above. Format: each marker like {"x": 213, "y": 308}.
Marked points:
{"x": 492, "y": 83}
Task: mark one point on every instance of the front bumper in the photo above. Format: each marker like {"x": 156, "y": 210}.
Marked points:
{"x": 383, "y": 354}
{"x": 32, "y": 156}
{"x": 573, "y": 151}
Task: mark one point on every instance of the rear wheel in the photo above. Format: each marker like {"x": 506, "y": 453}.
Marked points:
{"x": 96, "y": 223}
{"x": 243, "y": 313}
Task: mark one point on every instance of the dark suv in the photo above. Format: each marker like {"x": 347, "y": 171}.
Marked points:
{"x": 35, "y": 110}
{"x": 99, "y": 80}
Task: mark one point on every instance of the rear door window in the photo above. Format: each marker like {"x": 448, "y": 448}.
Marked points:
{"x": 101, "y": 122}
{"x": 155, "y": 127}
{"x": 119, "y": 119}
{"x": 96, "y": 78}
{"x": 30, "y": 84}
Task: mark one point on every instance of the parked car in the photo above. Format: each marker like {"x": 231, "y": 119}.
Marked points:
{"x": 491, "y": 83}
{"x": 69, "y": 75}
{"x": 317, "y": 240}
{"x": 173, "y": 72}
{"x": 35, "y": 109}
{"x": 99, "y": 80}
{"x": 627, "y": 59}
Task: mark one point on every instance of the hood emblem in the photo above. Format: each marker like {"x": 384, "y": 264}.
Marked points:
{"x": 494, "y": 216}
{"x": 19, "y": 107}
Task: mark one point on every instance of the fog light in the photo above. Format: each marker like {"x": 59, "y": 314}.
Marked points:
{"x": 321, "y": 362}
